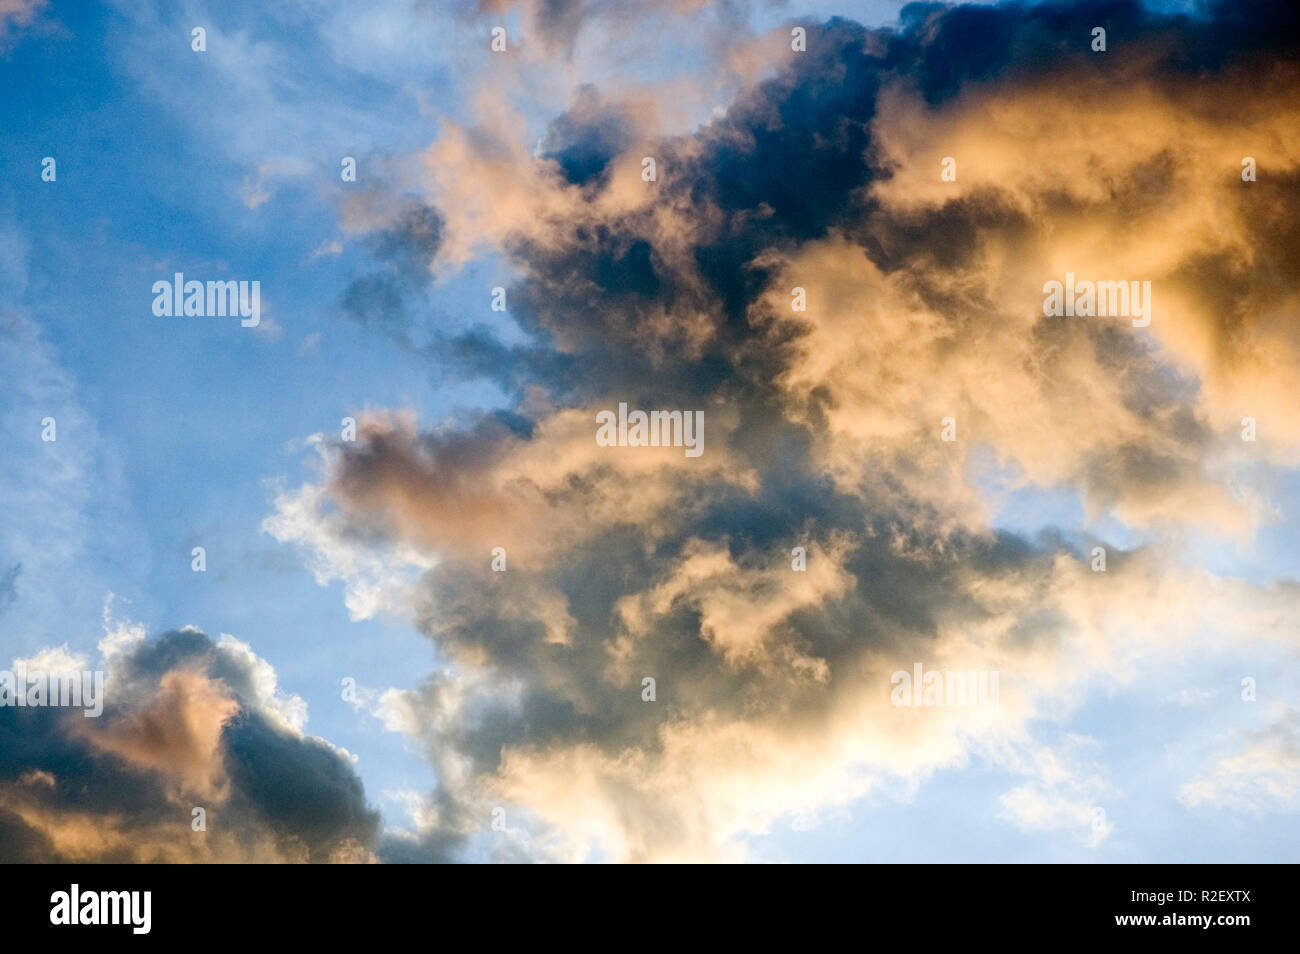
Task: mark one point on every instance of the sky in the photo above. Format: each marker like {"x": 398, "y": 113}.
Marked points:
{"x": 840, "y": 264}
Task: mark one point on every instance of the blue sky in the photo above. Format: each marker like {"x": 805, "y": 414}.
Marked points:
{"x": 175, "y": 432}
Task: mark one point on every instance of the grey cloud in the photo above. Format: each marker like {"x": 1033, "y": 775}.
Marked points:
{"x": 289, "y": 796}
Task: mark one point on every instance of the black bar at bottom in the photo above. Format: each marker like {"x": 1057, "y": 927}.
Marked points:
{"x": 916, "y": 905}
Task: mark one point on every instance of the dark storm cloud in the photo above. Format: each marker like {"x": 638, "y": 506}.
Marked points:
{"x": 281, "y": 795}
{"x": 788, "y": 163}
{"x": 619, "y": 573}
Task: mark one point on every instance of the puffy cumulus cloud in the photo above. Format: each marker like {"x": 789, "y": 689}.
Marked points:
{"x": 1121, "y": 171}
{"x": 536, "y": 488}
{"x": 739, "y": 610}
{"x": 628, "y": 73}
{"x": 490, "y": 186}
{"x": 176, "y": 732}
{"x": 883, "y": 363}
{"x": 822, "y": 427}
{"x": 187, "y": 722}
{"x": 377, "y": 576}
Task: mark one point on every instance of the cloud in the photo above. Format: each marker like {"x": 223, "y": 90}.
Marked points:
{"x": 376, "y": 578}
{"x": 924, "y": 301}
{"x": 1263, "y": 776}
{"x": 404, "y": 253}
{"x": 1065, "y": 795}
{"x": 178, "y": 732}
{"x": 61, "y": 496}
{"x": 585, "y": 137}
{"x": 17, "y": 14}
{"x": 188, "y": 722}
